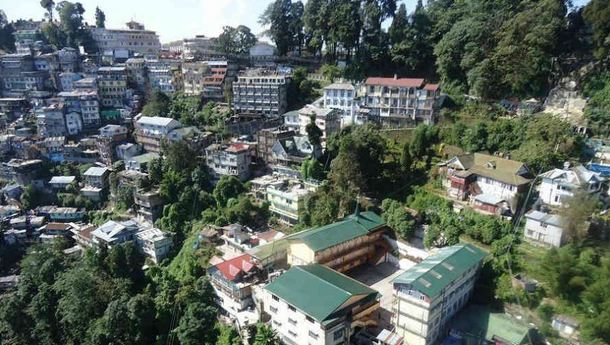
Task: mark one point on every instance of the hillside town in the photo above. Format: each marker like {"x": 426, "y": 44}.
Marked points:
{"x": 356, "y": 174}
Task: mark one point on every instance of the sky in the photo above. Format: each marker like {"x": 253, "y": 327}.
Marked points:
{"x": 172, "y": 19}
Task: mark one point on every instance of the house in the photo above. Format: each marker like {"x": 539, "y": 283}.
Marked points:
{"x": 397, "y": 101}
{"x": 110, "y": 136}
{"x": 154, "y": 243}
{"x": 50, "y": 121}
{"x": 237, "y": 239}
{"x": 269, "y": 236}
{"x": 492, "y": 184}
{"x": 293, "y": 151}
{"x": 61, "y": 214}
{"x": 127, "y": 150}
{"x": 287, "y": 199}
{"x": 12, "y": 191}
{"x": 266, "y": 138}
{"x": 112, "y": 83}
{"x": 313, "y": 304}
{"x": 557, "y": 185}
{"x": 140, "y": 163}
{"x": 232, "y": 281}
{"x": 567, "y": 326}
{"x": 60, "y": 183}
{"x": 51, "y": 231}
{"x": 151, "y": 131}
{"x": 428, "y": 294}
{"x": 327, "y": 119}
{"x": 543, "y": 228}
{"x": 343, "y": 245}
{"x": 74, "y": 123}
{"x": 232, "y": 160}
{"x": 96, "y": 181}
{"x": 478, "y": 325}
{"x": 113, "y": 233}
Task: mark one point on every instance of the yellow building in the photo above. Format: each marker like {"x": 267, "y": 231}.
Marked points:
{"x": 351, "y": 242}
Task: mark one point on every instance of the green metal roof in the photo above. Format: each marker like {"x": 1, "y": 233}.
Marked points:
{"x": 145, "y": 158}
{"x": 353, "y": 226}
{"x": 317, "y": 290}
{"x": 435, "y": 272}
{"x": 479, "y": 322}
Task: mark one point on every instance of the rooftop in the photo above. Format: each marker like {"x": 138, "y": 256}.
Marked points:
{"x": 351, "y": 227}
{"x": 144, "y": 158}
{"x": 437, "y": 271}
{"x": 62, "y": 179}
{"x": 543, "y": 217}
{"x": 479, "y": 321}
{"x": 233, "y": 268}
{"x": 155, "y": 120}
{"x": 400, "y": 82}
{"x": 317, "y": 291}
{"x": 95, "y": 171}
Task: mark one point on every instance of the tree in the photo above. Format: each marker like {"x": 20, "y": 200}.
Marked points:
{"x": 597, "y": 14}
{"x": 48, "y": 6}
{"x": 7, "y": 40}
{"x": 30, "y": 198}
{"x": 396, "y": 216}
{"x": 100, "y": 18}
{"x": 236, "y": 41}
{"x": 158, "y": 104}
{"x": 315, "y": 25}
{"x": 278, "y": 17}
{"x": 196, "y": 326}
{"x": 314, "y": 133}
{"x": 265, "y": 335}
{"x": 227, "y": 335}
{"x": 575, "y": 213}
{"x": 312, "y": 169}
{"x": 71, "y": 21}
{"x": 330, "y": 72}
{"x": 228, "y": 187}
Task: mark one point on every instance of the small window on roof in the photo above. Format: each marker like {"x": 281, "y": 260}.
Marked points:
{"x": 447, "y": 266}
{"x": 435, "y": 274}
{"x": 425, "y": 282}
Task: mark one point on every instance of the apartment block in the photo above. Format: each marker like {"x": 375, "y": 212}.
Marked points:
{"x": 401, "y": 100}
{"x": 150, "y": 132}
{"x": 327, "y": 119}
{"x": 50, "y": 121}
{"x": 134, "y": 39}
{"x": 193, "y": 75}
{"x": 426, "y": 296}
{"x": 232, "y": 160}
{"x": 84, "y": 102}
{"x": 287, "y": 199}
{"x": 112, "y": 85}
{"x": 260, "y": 92}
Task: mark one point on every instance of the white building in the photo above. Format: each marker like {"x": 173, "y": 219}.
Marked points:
{"x": 260, "y": 92}
{"x": 113, "y": 233}
{"x": 151, "y": 131}
{"x": 558, "y": 184}
{"x": 233, "y": 160}
{"x": 543, "y": 228}
{"x": 134, "y": 39}
{"x": 316, "y": 305}
{"x": 61, "y": 182}
{"x": 86, "y": 103}
{"x": 328, "y": 120}
{"x": 74, "y": 123}
{"x": 428, "y": 294}
{"x": 342, "y": 96}
{"x": 287, "y": 199}
{"x": 162, "y": 80}
{"x": 153, "y": 243}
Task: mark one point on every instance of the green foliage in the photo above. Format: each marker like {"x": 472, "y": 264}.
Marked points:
{"x": 228, "y": 187}
{"x": 100, "y": 18}
{"x": 7, "y": 40}
{"x": 265, "y": 335}
{"x": 301, "y": 90}
{"x": 30, "y": 198}
{"x": 227, "y": 335}
{"x": 285, "y": 22}
{"x": 184, "y": 108}
{"x": 196, "y": 326}
{"x": 396, "y": 216}
{"x": 597, "y": 111}
{"x": 312, "y": 169}
{"x": 236, "y": 41}
{"x": 158, "y": 104}
{"x": 330, "y": 72}
{"x": 314, "y": 133}
{"x": 597, "y": 14}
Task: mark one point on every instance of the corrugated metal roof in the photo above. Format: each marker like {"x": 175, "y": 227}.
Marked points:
{"x": 433, "y": 274}
{"x": 316, "y": 290}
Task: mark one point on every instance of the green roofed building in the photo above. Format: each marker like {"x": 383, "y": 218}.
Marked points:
{"x": 478, "y": 325}
{"x": 351, "y": 242}
{"x": 314, "y": 304}
{"x": 427, "y": 295}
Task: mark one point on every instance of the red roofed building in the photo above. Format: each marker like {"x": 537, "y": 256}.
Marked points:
{"x": 214, "y": 84}
{"x": 232, "y": 280}
{"x": 401, "y": 100}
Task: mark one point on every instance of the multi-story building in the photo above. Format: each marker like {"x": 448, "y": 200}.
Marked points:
{"x": 96, "y": 182}
{"x": 293, "y": 151}
{"x": 557, "y": 185}
{"x": 287, "y": 199}
{"x": 196, "y": 47}
{"x": 67, "y": 79}
{"x": 61, "y": 214}
{"x": 315, "y": 305}
{"x": 150, "y": 132}
{"x": 162, "y": 79}
{"x": 153, "y": 243}
{"x": 84, "y": 102}
{"x": 232, "y": 281}
{"x": 233, "y": 160}
{"x": 543, "y": 228}
{"x": 214, "y": 84}
{"x": 266, "y": 138}
{"x": 86, "y": 84}
{"x": 193, "y": 75}
{"x": 328, "y": 120}
{"x": 50, "y": 121}
{"x": 68, "y": 59}
{"x": 114, "y": 233}
{"x": 260, "y": 92}
{"x": 149, "y": 204}
{"x": 74, "y": 123}
{"x": 400, "y": 100}
{"x": 112, "y": 84}
{"x": 137, "y": 73}
{"x": 428, "y": 294}
{"x": 493, "y": 184}
{"x": 140, "y": 163}
{"x": 342, "y": 96}
{"x": 134, "y": 39}
{"x": 343, "y": 245}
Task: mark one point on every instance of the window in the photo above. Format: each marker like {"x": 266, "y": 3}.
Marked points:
{"x": 310, "y": 319}
{"x": 292, "y": 308}
{"x": 313, "y": 335}
{"x": 292, "y": 322}
{"x": 338, "y": 335}
{"x": 275, "y": 298}
{"x": 292, "y": 334}
{"x": 273, "y": 309}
